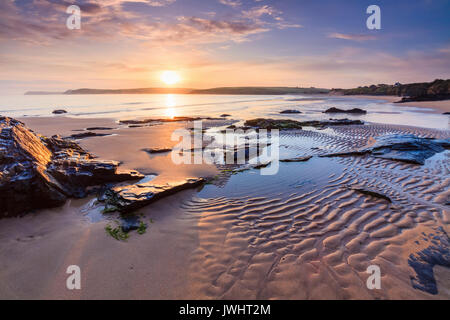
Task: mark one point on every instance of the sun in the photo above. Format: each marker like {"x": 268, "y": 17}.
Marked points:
{"x": 170, "y": 77}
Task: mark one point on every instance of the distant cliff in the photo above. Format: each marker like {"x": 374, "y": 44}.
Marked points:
{"x": 130, "y": 91}
{"x": 424, "y": 91}
{"x": 260, "y": 90}
{"x": 222, "y": 90}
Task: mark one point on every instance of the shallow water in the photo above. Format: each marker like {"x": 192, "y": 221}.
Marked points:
{"x": 239, "y": 106}
{"x": 308, "y": 233}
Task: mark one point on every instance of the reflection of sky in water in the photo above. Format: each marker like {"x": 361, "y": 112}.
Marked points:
{"x": 291, "y": 178}
{"x": 240, "y": 107}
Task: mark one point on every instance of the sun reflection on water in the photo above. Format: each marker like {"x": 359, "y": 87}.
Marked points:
{"x": 171, "y": 103}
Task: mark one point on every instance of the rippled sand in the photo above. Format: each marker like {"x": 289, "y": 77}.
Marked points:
{"x": 293, "y": 239}
{"x": 301, "y": 234}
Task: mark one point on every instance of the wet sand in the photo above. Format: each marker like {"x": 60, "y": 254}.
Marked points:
{"x": 126, "y": 145}
{"x": 302, "y": 234}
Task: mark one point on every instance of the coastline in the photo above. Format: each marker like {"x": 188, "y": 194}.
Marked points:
{"x": 428, "y": 106}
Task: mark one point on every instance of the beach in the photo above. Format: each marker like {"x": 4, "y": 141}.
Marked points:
{"x": 431, "y": 106}
{"x": 308, "y": 232}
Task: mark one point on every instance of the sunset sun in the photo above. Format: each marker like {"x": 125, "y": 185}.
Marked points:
{"x": 170, "y": 77}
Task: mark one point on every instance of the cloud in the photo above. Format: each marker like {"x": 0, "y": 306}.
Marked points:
{"x": 352, "y": 37}
{"x": 108, "y": 20}
{"x": 151, "y": 3}
{"x": 159, "y": 3}
{"x": 258, "y": 12}
{"x": 231, "y": 3}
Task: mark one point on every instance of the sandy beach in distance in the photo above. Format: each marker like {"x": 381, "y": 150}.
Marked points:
{"x": 305, "y": 233}
{"x": 434, "y": 106}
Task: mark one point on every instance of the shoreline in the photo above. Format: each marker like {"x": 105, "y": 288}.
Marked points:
{"x": 433, "y": 106}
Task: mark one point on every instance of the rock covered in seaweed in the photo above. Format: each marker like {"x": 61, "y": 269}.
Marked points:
{"x": 350, "y": 111}
{"x": 290, "y": 111}
{"x": 286, "y": 124}
{"x": 87, "y": 134}
{"x": 41, "y": 172}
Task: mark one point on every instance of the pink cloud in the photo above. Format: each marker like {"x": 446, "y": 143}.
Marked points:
{"x": 352, "y": 37}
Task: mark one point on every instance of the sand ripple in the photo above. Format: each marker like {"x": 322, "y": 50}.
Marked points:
{"x": 301, "y": 237}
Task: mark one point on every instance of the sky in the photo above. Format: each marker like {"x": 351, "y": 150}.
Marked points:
{"x": 213, "y": 43}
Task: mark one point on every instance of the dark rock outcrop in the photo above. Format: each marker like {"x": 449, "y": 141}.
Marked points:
{"x": 407, "y": 148}
{"x": 290, "y": 111}
{"x": 59, "y": 111}
{"x": 225, "y": 115}
{"x": 299, "y": 159}
{"x": 331, "y": 122}
{"x": 351, "y": 111}
{"x": 447, "y": 113}
{"x": 40, "y": 172}
{"x": 157, "y": 150}
{"x": 423, "y": 262}
{"x": 135, "y": 196}
{"x": 87, "y": 134}
{"x": 269, "y": 124}
{"x": 401, "y": 147}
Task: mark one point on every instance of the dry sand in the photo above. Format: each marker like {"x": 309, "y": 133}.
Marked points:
{"x": 295, "y": 237}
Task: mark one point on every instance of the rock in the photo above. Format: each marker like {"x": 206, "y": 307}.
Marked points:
{"x": 269, "y": 124}
{"x": 351, "y": 111}
{"x": 262, "y": 165}
{"x": 135, "y": 196}
{"x": 39, "y": 172}
{"x": 344, "y": 154}
{"x": 401, "y": 147}
{"x": 373, "y": 194}
{"x": 407, "y": 148}
{"x": 447, "y": 113}
{"x": 59, "y": 111}
{"x": 129, "y": 223}
{"x": 87, "y": 134}
{"x": 290, "y": 111}
{"x": 261, "y": 123}
{"x": 299, "y": 159}
{"x": 157, "y": 150}
{"x": 225, "y": 115}
{"x": 331, "y": 122}
{"x": 423, "y": 262}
